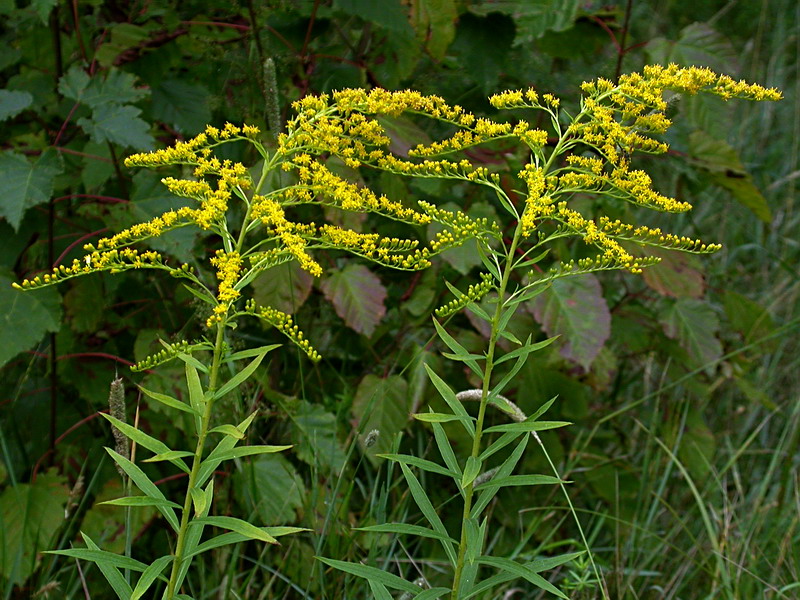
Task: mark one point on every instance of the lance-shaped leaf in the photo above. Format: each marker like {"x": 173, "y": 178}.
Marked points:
{"x": 143, "y": 482}
{"x": 160, "y": 449}
{"x": 407, "y": 529}
{"x": 537, "y": 566}
{"x": 242, "y": 375}
{"x": 371, "y": 574}
{"x": 140, "y": 501}
{"x": 244, "y": 528}
{"x": 169, "y": 401}
{"x": 453, "y": 402}
{"x": 232, "y": 537}
{"x": 520, "y": 570}
{"x": 149, "y": 576}
{"x": 420, "y": 463}
{"x": 357, "y": 296}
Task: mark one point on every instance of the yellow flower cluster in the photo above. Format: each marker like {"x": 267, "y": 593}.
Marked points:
{"x": 655, "y": 237}
{"x": 114, "y": 261}
{"x": 517, "y": 99}
{"x": 391, "y": 252}
{"x": 283, "y": 323}
{"x": 229, "y": 266}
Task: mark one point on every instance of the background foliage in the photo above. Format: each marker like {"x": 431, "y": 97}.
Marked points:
{"x": 682, "y": 382}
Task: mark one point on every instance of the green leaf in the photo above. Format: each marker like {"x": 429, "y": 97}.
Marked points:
{"x": 506, "y": 468}
{"x": 198, "y": 501}
{"x": 528, "y": 425}
{"x": 234, "y": 538}
{"x": 484, "y": 43}
{"x": 574, "y": 308}
{"x": 433, "y": 417}
{"x": 145, "y": 441}
{"x": 389, "y": 14}
{"x": 694, "y": 324}
{"x": 471, "y": 470}
{"x": 181, "y": 105}
{"x": 225, "y": 444}
{"x": 244, "y": 528}
{"x": 460, "y": 353}
{"x": 379, "y": 591}
{"x": 403, "y": 134}
{"x": 110, "y": 572}
{"x": 25, "y": 317}
{"x": 433, "y": 593}
{"x": 537, "y": 566}
{"x": 316, "y": 433}
{"x": 424, "y": 504}
{"x": 196, "y": 396}
{"x": 30, "y": 514}
{"x": 434, "y": 21}
{"x": 446, "y": 450}
{"x": 13, "y": 102}
{"x": 228, "y": 429}
{"x": 101, "y": 556}
{"x": 171, "y": 456}
{"x": 118, "y": 125}
{"x": 748, "y": 318}
{"x": 151, "y": 573}
{"x": 140, "y": 501}
{"x": 697, "y": 44}
{"x": 406, "y": 529}
{"x": 271, "y": 487}
{"x": 421, "y": 463}
{"x": 525, "y": 349}
{"x": 371, "y": 574}
{"x": 169, "y": 401}
{"x": 241, "y": 376}
{"x": 285, "y": 287}
{"x": 722, "y": 162}
{"x": 520, "y": 570}
{"x": 109, "y": 92}
{"x": 520, "y": 480}
{"x": 453, "y": 402}
{"x": 533, "y": 17}
{"x": 43, "y": 9}
{"x": 245, "y": 451}
{"x": 357, "y": 296}
{"x": 380, "y": 404}
{"x": 143, "y": 482}
{"x": 26, "y": 183}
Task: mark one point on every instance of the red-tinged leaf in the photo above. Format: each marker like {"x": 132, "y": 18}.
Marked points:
{"x": 284, "y": 287}
{"x": 677, "y": 274}
{"x": 574, "y": 308}
{"x": 357, "y": 296}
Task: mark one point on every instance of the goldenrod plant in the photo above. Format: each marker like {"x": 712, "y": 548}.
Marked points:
{"x": 252, "y": 219}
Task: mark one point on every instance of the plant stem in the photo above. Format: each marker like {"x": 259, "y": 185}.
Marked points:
{"x": 487, "y": 377}
{"x": 196, "y": 462}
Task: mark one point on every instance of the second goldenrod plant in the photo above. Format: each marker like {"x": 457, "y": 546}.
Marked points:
{"x": 253, "y": 222}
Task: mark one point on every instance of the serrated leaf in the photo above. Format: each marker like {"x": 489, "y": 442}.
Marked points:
{"x": 371, "y": 574}
{"x": 272, "y": 488}
{"x": 677, "y": 275}
{"x": 13, "y": 102}
{"x": 25, "y": 317}
{"x": 574, "y": 308}
{"x": 315, "y": 430}
{"x": 284, "y": 287}
{"x": 380, "y": 404}
{"x": 698, "y": 44}
{"x": 694, "y": 324}
{"x": 26, "y": 183}
{"x": 30, "y": 514}
{"x": 533, "y": 17}
{"x": 43, "y": 8}
{"x": 357, "y": 296}
{"x": 118, "y": 125}
{"x": 182, "y": 105}
{"x": 116, "y": 88}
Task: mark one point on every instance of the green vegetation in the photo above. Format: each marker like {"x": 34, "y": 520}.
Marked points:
{"x": 381, "y": 452}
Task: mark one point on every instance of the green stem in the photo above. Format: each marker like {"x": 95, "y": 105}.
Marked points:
{"x": 487, "y": 377}
{"x": 196, "y": 462}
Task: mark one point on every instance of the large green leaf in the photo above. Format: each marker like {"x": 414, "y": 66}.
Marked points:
{"x": 30, "y": 513}
{"x": 722, "y": 162}
{"x": 118, "y": 125}
{"x": 284, "y": 287}
{"x": 390, "y": 14}
{"x": 575, "y": 309}
{"x": 694, "y": 324}
{"x": 357, "y": 296}
{"x": 434, "y": 21}
{"x": 271, "y": 486}
{"x": 13, "y": 102}
{"x": 381, "y": 405}
{"x": 698, "y": 44}
{"x": 118, "y": 87}
{"x": 181, "y": 105}
{"x": 25, "y": 317}
{"x": 533, "y": 17}
{"x": 315, "y": 431}
{"x": 26, "y": 183}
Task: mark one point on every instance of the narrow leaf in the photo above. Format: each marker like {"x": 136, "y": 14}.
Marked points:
{"x": 371, "y": 574}
{"x": 228, "y": 429}
{"x": 140, "y": 501}
{"x": 527, "y": 426}
{"x": 160, "y": 449}
{"x": 240, "y": 377}
{"x": 150, "y": 574}
{"x": 169, "y": 401}
{"x": 449, "y": 396}
{"x": 520, "y": 480}
{"x": 238, "y": 526}
{"x": 406, "y": 529}
{"x": 471, "y": 471}
{"x": 519, "y": 570}
{"x": 420, "y": 463}
{"x": 432, "y": 417}
{"x": 457, "y": 348}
